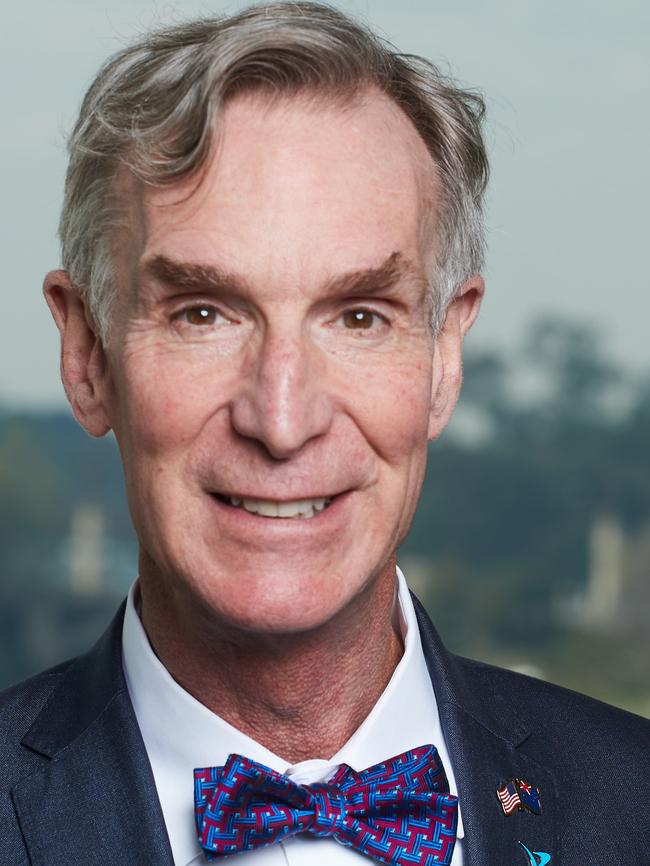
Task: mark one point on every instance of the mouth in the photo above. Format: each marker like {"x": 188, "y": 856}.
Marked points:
{"x": 297, "y": 509}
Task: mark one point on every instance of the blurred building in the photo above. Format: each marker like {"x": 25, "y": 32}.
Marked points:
{"x": 617, "y": 595}
{"x": 86, "y": 552}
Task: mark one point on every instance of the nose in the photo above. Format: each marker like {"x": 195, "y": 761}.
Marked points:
{"x": 283, "y": 402}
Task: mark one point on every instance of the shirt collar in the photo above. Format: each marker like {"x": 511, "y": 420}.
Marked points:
{"x": 405, "y": 716}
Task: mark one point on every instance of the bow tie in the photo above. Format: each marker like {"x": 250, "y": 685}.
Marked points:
{"x": 399, "y": 812}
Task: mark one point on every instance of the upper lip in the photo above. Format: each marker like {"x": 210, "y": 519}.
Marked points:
{"x": 295, "y": 497}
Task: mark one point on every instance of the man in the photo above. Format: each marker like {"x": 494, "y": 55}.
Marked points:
{"x": 272, "y": 244}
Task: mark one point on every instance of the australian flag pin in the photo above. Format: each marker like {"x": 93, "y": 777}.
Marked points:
{"x": 517, "y": 794}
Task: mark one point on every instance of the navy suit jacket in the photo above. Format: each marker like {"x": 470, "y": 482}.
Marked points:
{"x": 76, "y": 787}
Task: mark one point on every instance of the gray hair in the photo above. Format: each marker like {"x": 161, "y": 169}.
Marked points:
{"x": 153, "y": 108}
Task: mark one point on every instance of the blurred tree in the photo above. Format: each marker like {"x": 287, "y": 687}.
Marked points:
{"x": 30, "y": 484}
{"x": 580, "y": 379}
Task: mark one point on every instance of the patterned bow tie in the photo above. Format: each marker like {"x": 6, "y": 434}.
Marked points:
{"x": 399, "y": 812}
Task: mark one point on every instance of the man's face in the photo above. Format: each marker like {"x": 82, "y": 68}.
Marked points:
{"x": 271, "y": 371}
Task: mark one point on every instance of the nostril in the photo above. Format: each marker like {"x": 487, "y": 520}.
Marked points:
{"x": 283, "y": 413}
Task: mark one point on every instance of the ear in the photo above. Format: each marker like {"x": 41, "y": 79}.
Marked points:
{"x": 448, "y": 350}
{"x": 83, "y": 362}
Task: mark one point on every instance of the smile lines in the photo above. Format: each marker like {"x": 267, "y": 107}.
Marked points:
{"x": 300, "y": 508}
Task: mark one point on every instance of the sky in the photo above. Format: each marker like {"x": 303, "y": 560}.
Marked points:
{"x": 567, "y": 85}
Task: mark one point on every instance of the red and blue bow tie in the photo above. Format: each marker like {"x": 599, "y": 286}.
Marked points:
{"x": 399, "y": 812}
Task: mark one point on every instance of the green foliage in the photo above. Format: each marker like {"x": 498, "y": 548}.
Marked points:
{"x": 29, "y": 483}
{"x": 505, "y": 516}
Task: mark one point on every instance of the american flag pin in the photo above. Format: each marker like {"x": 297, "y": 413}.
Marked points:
{"x": 519, "y": 795}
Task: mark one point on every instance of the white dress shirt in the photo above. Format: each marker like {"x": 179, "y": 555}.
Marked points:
{"x": 180, "y": 734}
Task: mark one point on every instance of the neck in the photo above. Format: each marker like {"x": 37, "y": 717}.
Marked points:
{"x": 300, "y": 695}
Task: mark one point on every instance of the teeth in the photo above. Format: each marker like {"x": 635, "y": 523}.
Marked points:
{"x": 288, "y": 509}
{"x": 304, "y": 508}
{"x": 259, "y": 506}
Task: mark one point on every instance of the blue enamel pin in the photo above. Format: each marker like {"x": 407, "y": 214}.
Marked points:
{"x": 536, "y": 858}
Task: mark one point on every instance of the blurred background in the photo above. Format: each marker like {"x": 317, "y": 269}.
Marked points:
{"x": 531, "y": 546}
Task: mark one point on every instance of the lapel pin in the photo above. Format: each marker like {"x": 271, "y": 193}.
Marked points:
{"x": 517, "y": 794}
{"x": 536, "y": 858}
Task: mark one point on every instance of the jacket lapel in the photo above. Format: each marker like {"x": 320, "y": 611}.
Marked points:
{"x": 93, "y": 801}
{"x": 488, "y": 745}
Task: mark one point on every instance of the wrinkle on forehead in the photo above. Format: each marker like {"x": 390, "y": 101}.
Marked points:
{"x": 388, "y": 117}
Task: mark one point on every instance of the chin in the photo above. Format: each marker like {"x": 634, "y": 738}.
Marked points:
{"x": 264, "y": 594}
{"x": 277, "y": 602}
{"x": 293, "y": 580}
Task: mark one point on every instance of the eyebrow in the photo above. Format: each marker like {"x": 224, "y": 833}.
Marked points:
{"x": 192, "y": 277}
{"x": 375, "y": 280}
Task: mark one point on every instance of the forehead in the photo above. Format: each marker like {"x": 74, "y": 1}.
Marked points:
{"x": 295, "y": 186}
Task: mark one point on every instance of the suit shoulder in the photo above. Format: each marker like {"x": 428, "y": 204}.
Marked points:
{"x": 551, "y": 708}
{"x": 598, "y": 757}
{"x": 20, "y": 704}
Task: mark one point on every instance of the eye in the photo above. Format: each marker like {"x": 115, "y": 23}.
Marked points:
{"x": 201, "y": 315}
{"x": 361, "y": 320}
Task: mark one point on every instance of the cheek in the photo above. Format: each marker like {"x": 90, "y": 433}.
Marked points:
{"x": 394, "y": 412}
{"x": 164, "y": 402}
